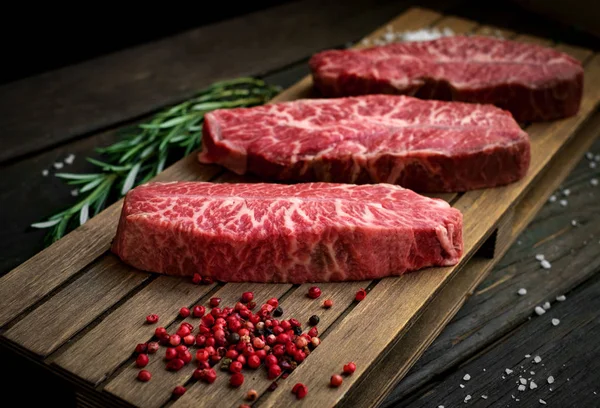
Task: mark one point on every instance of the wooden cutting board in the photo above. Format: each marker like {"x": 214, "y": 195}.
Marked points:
{"x": 77, "y": 310}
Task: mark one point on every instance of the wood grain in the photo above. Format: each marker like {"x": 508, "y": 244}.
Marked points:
{"x": 74, "y": 307}
{"x": 158, "y": 391}
{"x": 25, "y": 285}
{"x": 101, "y": 350}
{"x": 98, "y": 93}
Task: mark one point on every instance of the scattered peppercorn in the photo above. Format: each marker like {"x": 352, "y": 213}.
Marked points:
{"x": 278, "y": 311}
{"x": 207, "y": 280}
{"x": 251, "y": 305}
{"x": 360, "y": 295}
{"x": 214, "y": 302}
{"x": 314, "y": 292}
{"x": 236, "y": 379}
{"x": 300, "y": 390}
{"x": 328, "y": 303}
{"x": 252, "y": 395}
{"x": 179, "y": 391}
{"x": 314, "y": 320}
{"x": 349, "y": 368}
{"x": 142, "y": 360}
{"x": 144, "y": 375}
{"x": 151, "y": 319}
{"x": 247, "y": 297}
{"x": 198, "y": 311}
{"x": 152, "y": 347}
{"x": 336, "y": 380}
{"x": 141, "y": 348}
{"x": 197, "y": 278}
{"x": 273, "y": 386}
{"x": 184, "y": 312}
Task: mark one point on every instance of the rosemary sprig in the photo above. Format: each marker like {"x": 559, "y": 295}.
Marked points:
{"x": 145, "y": 149}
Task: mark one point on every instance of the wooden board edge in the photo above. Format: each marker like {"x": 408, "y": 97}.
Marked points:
{"x": 390, "y": 370}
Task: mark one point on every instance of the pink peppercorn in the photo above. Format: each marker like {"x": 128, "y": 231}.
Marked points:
{"x": 336, "y": 380}
{"x": 349, "y": 368}
{"x": 247, "y": 297}
{"x": 198, "y": 311}
{"x": 360, "y": 295}
{"x": 144, "y": 375}
{"x": 184, "y": 312}
{"x": 274, "y": 371}
{"x": 236, "y": 379}
{"x": 151, "y": 319}
{"x": 314, "y": 292}
{"x": 179, "y": 391}
{"x": 142, "y": 360}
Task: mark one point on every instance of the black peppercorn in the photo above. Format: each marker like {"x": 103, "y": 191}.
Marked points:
{"x": 233, "y": 338}
{"x": 278, "y": 311}
{"x": 268, "y": 331}
{"x": 314, "y": 320}
{"x": 297, "y": 331}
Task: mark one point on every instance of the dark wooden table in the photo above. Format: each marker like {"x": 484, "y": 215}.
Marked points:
{"x": 74, "y": 109}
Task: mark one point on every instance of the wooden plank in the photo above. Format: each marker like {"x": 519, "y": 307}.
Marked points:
{"x": 493, "y": 203}
{"x": 435, "y": 361}
{"x": 157, "y": 392}
{"x": 568, "y": 352}
{"x": 25, "y": 285}
{"x": 74, "y": 307}
{"x": 102, "y": 92}
{"x": 493, "y": 310}
{"x": 101, "y": 350}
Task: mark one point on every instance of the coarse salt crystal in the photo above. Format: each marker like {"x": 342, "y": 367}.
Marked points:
{"x": 545, "y": 264}
{"x": 574, "y": 223}
{"x": 552, "y": 198}
{"x": 540, "y": 257}
{"x": 484, "y": 396}
{"x": 594, "y": 182}
{"x": 566, "y": 192}
{"x": 468, "y": 397}
{"x": 555, "y": 322}
{"x": 537, "y": 359}
{"x": 546, "y": 305}
{"x": 563, "y": 203}
{"x": 462, "y": 385}
{"x": 58, "y": 165}
{"x": 589, "y": 155}
{"x": 522, "y": 291}
{"x": 542, "y": 402}
{"x": 522, "y": 387}
{"x": 592, "y": 165}
{"x": 532, "y": 372}
{"x": 389, "y": 37}
{"x": 561, "y": 298}
{"x": 539, "y": 311}
{"x": 522, "y": 380}
{"x": 467, "y": 377}
{"x": 74, "y": 193}
{"x": 508, "y": 371}
{"x": 532, "y": 385}
{"x": 441, "y": 406}
{"x": 70, "y": 158}
{"x": 527, "y": 355}
{"x": 550, "y": 380}
{"x": 45, "y": 172}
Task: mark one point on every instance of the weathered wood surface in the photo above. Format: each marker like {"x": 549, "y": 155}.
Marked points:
{"x": 102, "y": 92}
{"x": 495, "y": 309}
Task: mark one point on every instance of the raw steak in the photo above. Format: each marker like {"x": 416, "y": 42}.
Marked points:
{"x": 531, "y": 81}
{"x": 307, "y": 232}
{"x": 427, "y": 146}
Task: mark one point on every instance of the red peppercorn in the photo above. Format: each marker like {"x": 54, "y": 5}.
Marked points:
{"x": 170, "y": 354}
{"x": 274, "y": 371}
{"x": 315, "y": 341}
{"x": 261, "y": 354}
{"x": 189, "y": 340}
{"x": 202, "y": 355}
{"x": 314, "y": 292}
{"x": 183, "y": 331}
{"x": 328, "y": 303}
{"x": 336, "y": 380}
{"x": 211, "y": 350}
{"x": 300, "y": 390}
{"x": 270, "y": 360}
{"x": 144, "y": 375}
{"x": 247, "y": 297}
{"x": 208, "y": 320}
{"x": 286, "y": 325}
{"x": 272, "y": 387}
{"x": 258, "y": 343}
{"x": 152, "y": 347}
{"x": 160, "y": 332}
{"x": 216, "y": 312}
{"x": 279, "y": 350}
{"x": 175, "y": 365}
{"x": 185, "y": 355}
{"x": 273, "y": 302}
{"x": 164, "y": 340}
{"x": 252, "y": 395}
{"x": 314, "y": 332}
{"x": 290, "y": 348}
{"x": 241, "y": 359}
{"x": 301, "y": 342}
{"x": 349, "y": 368}
{"x": 278, "y": 330}
{"x": 184, "y": 312}
{"x": 141, "y": 348}
{"x": 178, "y": 391}
{"x": 236, "y": 379}
{"x": 208, "y": 375}
{"x": 295, "y": 322}
{"x": 299, "y": 356}
{"x": 254, "y": 361}
{"x": 197, "y": 278}
{"x": 245, "y": 313}
{"x": 151, "y": 319}
{"x": 214, "y": 302}
{"x": 235, "y": 367}
{"x": 254, "y": 319}
{"x": 142, "y": 360}
{"x": 174, "y": 340}
{"x": 232, "y": 354}
{"x": 207, "y": 280}
{"x": 360, "y": 295}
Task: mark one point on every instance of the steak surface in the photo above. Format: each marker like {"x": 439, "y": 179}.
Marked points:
{"x": 533, "y": 82}
{"x": 307, "y": 232}
{"x": 423, "y": 145}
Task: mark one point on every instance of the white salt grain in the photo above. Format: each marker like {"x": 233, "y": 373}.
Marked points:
{"x": 527, "y": 355}
{"x": 69, "y": 159}
{"x": 522, "y": 291}
{"x": 485, "y": 396}
{"x": 467, "y": 398}
{"x": 563, "y": 203}
{"x": 574, "y": 223}
{"x": 74, "y": 193}
{"x": 522, "y": 380}
{"x": 594, "y": 182}
{"x": 537, "y": 359}
{"x": 552, "y": 198}
{"x": 566, "y": 192}
{"x": 550, "y": 380}
{"x": 522, "y": 387}
{"x": 561, "y": 298}
{"x": 467, "y": 377}
{"x": 532, "y": 373}
{"x": 508, "y": 371}
{"x": 589, "y": 155}
{"x": 597, "y": 158}
{"x": 441, "y": 406}
{"x": 546, "y": 305}
{"x": 555, "y": 322}
{"x": 542, "y": 402}
{"x": 45, "y": 172}
{"x": 462, "y": 385}
{"x": 532, "y": 385}
{"x": 545, "y": 264}
{"x": 539, "y": 311}
{"x": 540, "y": 257}
{"x": 58, "y": 165}
{"x": 592, "y": 165}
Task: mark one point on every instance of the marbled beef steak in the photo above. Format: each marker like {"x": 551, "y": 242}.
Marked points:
{"x": 423, "y": 145}
{"x": 307, "y": 232}
{"x": 532, "y": 82}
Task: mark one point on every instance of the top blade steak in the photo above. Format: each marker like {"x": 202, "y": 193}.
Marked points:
{"x": 425, "y": 145}
{"x": 533, "y": 82}
{"x": 307, "y": 232}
